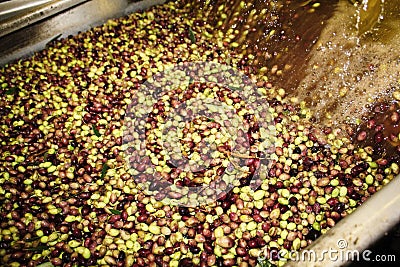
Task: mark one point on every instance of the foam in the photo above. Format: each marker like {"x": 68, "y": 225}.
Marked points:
{"x": 347, "y": 73}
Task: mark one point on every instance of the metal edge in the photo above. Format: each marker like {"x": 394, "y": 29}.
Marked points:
{"x": 357, "y": 231}
{"x": 81, "y": 17}
{"x": 36, "y": 15}
{"x": 10, "y": 7}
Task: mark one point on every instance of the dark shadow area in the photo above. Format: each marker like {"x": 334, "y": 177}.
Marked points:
{"x": 388, "y": 248}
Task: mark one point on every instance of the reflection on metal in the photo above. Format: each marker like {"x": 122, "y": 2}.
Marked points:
{"x": 18, "y": 14}
{"x": 21, "y": 36}
{"x": 11, "y": 8}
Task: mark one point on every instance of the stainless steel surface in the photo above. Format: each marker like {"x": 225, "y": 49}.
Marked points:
{"x": 23, "y": 13}
{"x": 359, "y": 230}
{"x": 22, "y": 36}
{"x": 14, "y": 7}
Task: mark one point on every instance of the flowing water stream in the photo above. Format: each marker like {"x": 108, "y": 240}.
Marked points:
{"x": 340, "y": 59}
{"x": 352, "y": 72}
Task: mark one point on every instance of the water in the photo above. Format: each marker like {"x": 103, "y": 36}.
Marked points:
{"x": 349, "y": 72}
{"x": 341, "y": 60}
{"x": 314, "y": 50}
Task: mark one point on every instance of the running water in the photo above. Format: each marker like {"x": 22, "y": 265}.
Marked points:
{"x": 352, "y": 72}
{"x": 277, "y": 35}
{"x": 353, "y": 76}
{"x": 339, "y": 58}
